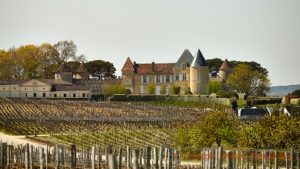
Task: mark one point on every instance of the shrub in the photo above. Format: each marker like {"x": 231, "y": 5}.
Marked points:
{"x": 127, "y": 91}
{"x": 163, "y": 89}
{"x": 227, "y": 94}
{"x": 213, "y": 128}
{"x": 186, "y": 89}
{"x": 175, "y": 89}
{"x": 151, "y": 88}
{"x": 111, "y": 89}
{"x": 214, "y": 87}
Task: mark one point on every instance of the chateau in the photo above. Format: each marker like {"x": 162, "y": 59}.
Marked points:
{"x": 188, "y": 71}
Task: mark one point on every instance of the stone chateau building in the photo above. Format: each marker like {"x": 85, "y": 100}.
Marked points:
{"x": 188, "y": 71}
{"x": 67, "y": 84}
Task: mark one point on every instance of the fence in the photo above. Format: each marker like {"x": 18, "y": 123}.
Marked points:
{"x": 27, "y": 156}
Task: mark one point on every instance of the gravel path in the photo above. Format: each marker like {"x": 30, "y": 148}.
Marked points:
{"x": 19, "y": 140}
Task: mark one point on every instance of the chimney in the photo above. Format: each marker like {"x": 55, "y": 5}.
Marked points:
{"x": 134, "y": 66}
{"x": 153, "y": 67}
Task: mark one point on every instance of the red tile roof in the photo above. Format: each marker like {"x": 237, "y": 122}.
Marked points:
{"x": 128, "y": 65}
{"x": 63, "y": 68}
{"x": 165, "y": 68}
{"x": 81, "y": 68}
{"x": 226, "y": 65}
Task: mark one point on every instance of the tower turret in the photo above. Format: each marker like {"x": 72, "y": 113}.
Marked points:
{"x": 199, "y": 74}
{"x": 64, "y": 73}
{"x": 81, "y": 72}
{"x": 128, "y": 72}
{"x": 225, "y": 70}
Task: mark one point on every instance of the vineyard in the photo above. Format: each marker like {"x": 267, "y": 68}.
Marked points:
{"x": 88, "y": 123}
{"x": 79, "y": 133}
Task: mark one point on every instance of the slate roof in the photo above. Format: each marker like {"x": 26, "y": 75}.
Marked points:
{"x": 164, "y": 68}
{"x": 63, "y": 68}
{"x": 81, "y": 68}
{"x": 186, "y": 56}
{"x": 128, "y": 65}
{"x": 199, "y": 60}
{"x": 12, "y": 82}
{"x": 226, "y": 65}
{"x": 54, "y": 81}
{"x": 48, "y": 81}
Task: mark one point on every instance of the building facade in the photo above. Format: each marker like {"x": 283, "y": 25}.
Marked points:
{"x": 188, "y": 72}
{"x": 67, "y": 84}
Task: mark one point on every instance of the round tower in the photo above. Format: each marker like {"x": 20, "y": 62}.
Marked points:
{"x": 198, "y": 74}
{"x": 225, "y": 70}
{"x": 63, "y": 73}
{"x": 81, "y": 72}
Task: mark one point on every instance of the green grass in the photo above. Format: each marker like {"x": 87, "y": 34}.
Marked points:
{"x": 199, "y": 105}
{"x": 241, "y": 103}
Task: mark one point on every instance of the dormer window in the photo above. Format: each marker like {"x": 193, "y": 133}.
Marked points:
{"x": 183, "y": 66}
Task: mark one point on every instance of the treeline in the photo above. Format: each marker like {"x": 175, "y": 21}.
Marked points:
{"x": 215, "y": 63}
{"x": 219, "y": 128}
{"x": 40, "y": 62}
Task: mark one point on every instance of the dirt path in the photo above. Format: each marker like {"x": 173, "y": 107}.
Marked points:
{"x": 19, "y": 140}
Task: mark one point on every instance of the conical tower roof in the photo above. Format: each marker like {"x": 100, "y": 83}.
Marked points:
{"x": 81, "y": 68}
{"x": 226, "y": 65}
{"x": 186, "y": 56}
{"x": 128, "y": 65}
{"x": 63, "y": 68}
{"x": 198, "y": 60}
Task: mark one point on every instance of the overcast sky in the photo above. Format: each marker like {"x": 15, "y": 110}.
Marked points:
{"x": 265, "y": 31}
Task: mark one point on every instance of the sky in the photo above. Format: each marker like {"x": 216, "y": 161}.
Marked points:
{"x": 265, "y": 31}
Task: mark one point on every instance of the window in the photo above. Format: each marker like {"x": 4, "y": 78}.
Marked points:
{"x": 177, "y": 77}
{"x": 55, "y": 95}
{"x": 184, "y": 77}
{"x": 157, "y": 79}
{"x": 25, "y": 88}
{"x": 34, "y": 94}
{"x": 183, "y": 66}
{"x": 13, "y": 95}
{"x": 74, "y": 94}
{"x": 25, "y": 94}
{"x": 83, "y": 94}
{"x": 167, "y": 78}
{"x": 144, "y": 79}
{"x": 65, "y": 95}
{"x": 34, "y": 89}
{"x": 198, "y": 76}
{"x": 14, "y": 88}
{"x": 44, "y": 94}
